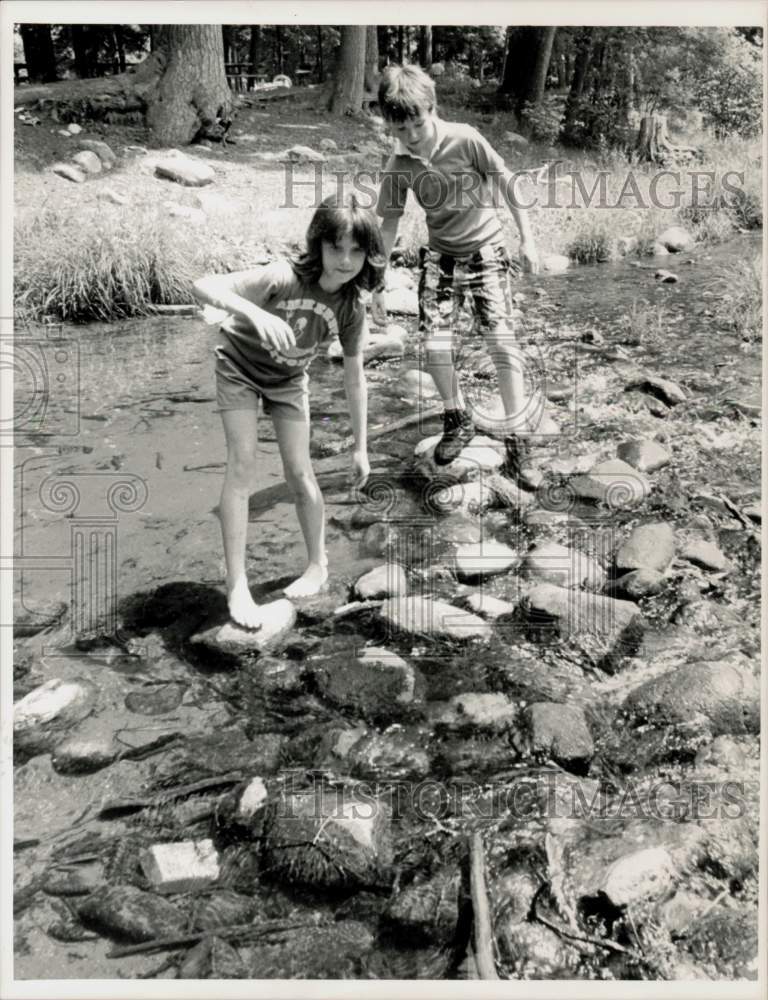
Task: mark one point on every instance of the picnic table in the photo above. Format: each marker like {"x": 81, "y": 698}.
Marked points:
{"x": 239, "y": 77}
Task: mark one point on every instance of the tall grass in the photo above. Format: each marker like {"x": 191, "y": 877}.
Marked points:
{"x": 741, "y": 304}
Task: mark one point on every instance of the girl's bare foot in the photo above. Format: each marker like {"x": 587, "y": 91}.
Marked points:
{"x": 242, "y": 607}
{"x": 309, "y": 583}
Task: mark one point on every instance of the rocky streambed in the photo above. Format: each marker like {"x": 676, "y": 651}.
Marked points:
{"x": 518, "y": 734}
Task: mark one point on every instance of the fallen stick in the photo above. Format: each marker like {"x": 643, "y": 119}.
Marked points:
{"x": 483, "y": 933}
{"x": 183, "y": 940}
{"x": 395, "y": 425}
{"x": 163, "y": 797}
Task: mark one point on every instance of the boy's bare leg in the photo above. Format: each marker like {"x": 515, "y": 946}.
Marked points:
{"x": 241, "y": 430}
{"x": 509, "y": 363}
{"x": 438, "y": 358}
{"x": 293, "y": 441}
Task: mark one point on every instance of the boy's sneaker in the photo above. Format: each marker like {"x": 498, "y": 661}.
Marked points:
{"x": 458, "y": 431}
{"x": 520, "y": 463}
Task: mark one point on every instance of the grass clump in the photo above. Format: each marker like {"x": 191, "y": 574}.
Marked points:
{"x": 593, "y": 246}
{"x": 741, "y": 304}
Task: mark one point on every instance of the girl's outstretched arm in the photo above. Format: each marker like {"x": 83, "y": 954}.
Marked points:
{"x": 356, "y": 390}
{"x": 221, "y": 291}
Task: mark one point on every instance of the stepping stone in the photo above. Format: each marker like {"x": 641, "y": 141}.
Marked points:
{"x": 434, "y": 619}
{"x": 551, "y": 562}
{"x": 645, "y": 456}
{"x": 480, "y": 456}
{"x": 612, "y": 482}
{"x": 559, "y": 731}
{"x": 382, "y": 581}
{"x": 706, "y": 555}
{"x": 483, "y": 559}
{"x": 489, "y": 607}
{"x": 649, "y": 547}
{"x": 376, "y": 682}
{"x": 41, "y": 717}
{"x": 278, "y": 618}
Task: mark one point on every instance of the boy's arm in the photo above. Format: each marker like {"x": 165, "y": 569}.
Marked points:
{"x": 528, "y": 252}
{"x": 389, "y": 235}
{"x": 356, "y": 390}
{"x": 220, "y": 291}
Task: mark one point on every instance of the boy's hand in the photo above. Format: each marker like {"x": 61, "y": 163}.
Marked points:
{"x": 529, "y": 258}
{"x": 361, "y": 468}
{"x": 273, "y": 331}
{"x": 379, "y": 308}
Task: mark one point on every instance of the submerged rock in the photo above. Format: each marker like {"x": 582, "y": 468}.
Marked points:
{"x": 551, "y": 562}
{"x": 723, "y": 691}
{"x": 559, "y": 731}
{"x": 328, "y": 836}
{"x": 643, "y": 455}
{"x": 279, "y": 617}
{"x": 382, "y": 581}
{"x": 427, "y": 911}
{"x": 639, "y": 583}
{"x": 483, "y": 559}
{"x": 84, "y": 755}
{"x": 125, "y": 912}
{"x": 41, "y": 717}
{"x": 612, "y": 482}
{"x": 649, "y": 547}
{"x": 478, "y": 458}
{"x": 395, "y": 755}
{"x": 434, "y": 619}
{"x": 706, "y": 555}
{"x": 472, "y": 712}
{"x": 375, "y": 681}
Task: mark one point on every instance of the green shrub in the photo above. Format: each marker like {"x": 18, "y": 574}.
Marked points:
{"x": 544, "y": 120}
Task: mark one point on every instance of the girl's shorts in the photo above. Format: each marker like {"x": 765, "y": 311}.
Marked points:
{"x": 237, "y": 389}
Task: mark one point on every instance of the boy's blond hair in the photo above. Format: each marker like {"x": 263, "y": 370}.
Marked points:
{"x": 406, "y": 92}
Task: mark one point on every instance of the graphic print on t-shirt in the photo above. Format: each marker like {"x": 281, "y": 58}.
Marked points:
{"x": 304, "y": 316}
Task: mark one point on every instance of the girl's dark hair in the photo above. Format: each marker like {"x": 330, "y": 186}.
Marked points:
{"x": 405, "y": 92}
{"x": 334, "y": 218}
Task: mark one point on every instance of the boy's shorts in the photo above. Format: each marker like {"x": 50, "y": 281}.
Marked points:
{"x": 446, "y": 281}
{"x": 237, "y": 389}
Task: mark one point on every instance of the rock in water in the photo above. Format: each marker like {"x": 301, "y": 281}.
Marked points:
{"x": 427, "y": 911}
{"x": 560, "y": 731}
{"x": 80, "y": 755}
{"x": 706, "y": 555}
{"x": 483, "y": 559}
{"x": 650, "y": 547}
{"x": 551, "y": 562}
{"x": 376, "y": 682}
{"x": 612, "y": 482}
{"x": 125, "y": 912}
{"x": 182, "y": 866}
{"x": 648, "y": 873}
{"x": 329, "y": 836}
{"x": 645, "y": 456}
{"x": 436, "y": 619}
{"x": 382, "y": 581}
{"x": 675, "y": 239}
{"x": 41, "y": 717}
{"x": 479, "y": 457}
{"x": 278, "y": 617}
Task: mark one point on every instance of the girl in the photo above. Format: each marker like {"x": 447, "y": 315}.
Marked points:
{"x": 280, "y": 314}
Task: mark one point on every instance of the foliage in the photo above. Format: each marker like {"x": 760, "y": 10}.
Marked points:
{"x": 592, "y": 246}
{"x": 741, "y": 305}
{"x": 731, "y": 99}
{"x": 545, "y": 120}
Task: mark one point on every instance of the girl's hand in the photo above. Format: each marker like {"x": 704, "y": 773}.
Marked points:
{"x": 379, "y": 308}
{"x": 273, "y": 331}
{"x": 361, "y": 468}
{"x": 529, "y": 258}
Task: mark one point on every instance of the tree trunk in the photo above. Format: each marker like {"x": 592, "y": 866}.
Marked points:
{"x": 371, "y": 58}
{"x": 192, "y": 90}
{"x": 279, "y": 55}
{"x": 254, "y": 53}
{"x": 320, "y": 68}
{"x": 425, "y": 46}
{"x": 120, "y": 47}
{"x": 81, "y": 50}
{"x": 400, "y": 43}
{"x": 38, "y": 53}
{"x": 580, "y": 70}
{"x": 653, "y": 144}
{"x": 347, "y": 95}
{"x": 541, "y": 65}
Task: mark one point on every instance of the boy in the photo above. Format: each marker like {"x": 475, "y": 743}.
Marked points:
{"x": 454, "y": 172}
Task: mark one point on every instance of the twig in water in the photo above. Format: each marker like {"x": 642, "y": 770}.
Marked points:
{"x": 483, "y": 934}
{"x": 395, "y": 425}
{"x": 183, "y": 940}
{"x": 588, "y": 939}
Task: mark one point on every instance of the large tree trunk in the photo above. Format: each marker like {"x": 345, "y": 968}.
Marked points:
{"x": 425, "y": 46}
{"x": 541, "y": 65}
{"x": 580, "y": 71}
{"x": 371, "y": 57}
{"x": 400, "y": 43}
{"x": 192, "y": 90}
{"x": 653, "y": 144}
{"x": 320, "y": 67}
{"x": 83, "y": 62}
{"x": 38, "y": 53}
{"x": 254, "y": 49}
{"x": 347, "y": 94}
{"x": 279, "y": 54}
{"x": 119, "y": 47}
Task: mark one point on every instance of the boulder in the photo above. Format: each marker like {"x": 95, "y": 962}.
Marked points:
{"x": 42, "y": 717}
{"x": 612, "y": 482}
{"x": 557, "y": 613}
{"x": 434, "y": 619}
{"x": 181, "y": 866}
{"x": 382, "y": 581}
{"x": 394, "y": 755}
{"x": 639, "y": 583}
{"x": 101, "y": 149}
{"x": 427, "y": 910}
{"x": 375, "y": 682}
{"x": 649, "y": 547}
{"x": 415, "y": 384}
{"x": 675, "y": 239}
{"x": 489, "y": 607}
{"x": 646, "y": 874}
{"x": 328, "y": 145}
{"x": 706, "y": 555}
{"x": 69, "y": 171}
{"x": 645, "y": 455}
{"x": 125, "y": 912}
{"x": 473, "y": 712}
{"x": 666, "y": 277}
{"x": 483, "y": 559}
{"x": 550, "y": 562}
{"x": 87, "y": 161}
{"x": 328, "y": 836}
{"x": 665, "y": 389}
{"x": 185, "y": 170}
{"x": 555, "y": 263}
{"x": 724, "y": 692}
{"x": 302, "y": 154}
{"x": 403, "y": 302}
{"x": 83, "y": 755}
{"x": 279, "y": 617}
{"x": 467, "y": 498}
{"x": 478, "y": 458}
{"x": 558, "y": 731}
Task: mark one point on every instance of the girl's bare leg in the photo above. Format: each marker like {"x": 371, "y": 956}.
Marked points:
{"x": 293, "y": 441}
{"x": 241, "y": 430}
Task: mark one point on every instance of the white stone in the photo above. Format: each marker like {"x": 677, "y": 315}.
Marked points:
{"x": 74, "y": 129}
{"x": 478, "y": 457}
{"x": 278, "y": 617}
{"x": 647, "y": 873}
{"x": 555, "y": 263}
{"x": 614, "y": 482}
{"x": 417, "y": 384}
{"x": 403, "y": 301}
{"x": 490, "y": 418}
{"x": 471, "y": 498}
{"x": 422, "y": 616}
{"x": 484, "y": 559}
{"x": 109, "y": 194}
{"x": 253, "y": 799}
{"x": 675, "y": 239}
{"x": 382, "y": 581}
{"x": 56, "y": 699}
{"x": 88, "y": 161}
{"x": 69, "y": 171}
{"x": 185, "y": 170}
{"x": 489, "y": 607}
{"x": 183, "y": 866}
{"x": 399, "y": 277}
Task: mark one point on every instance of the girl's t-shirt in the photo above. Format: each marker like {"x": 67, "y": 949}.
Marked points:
{"x": 314, "y": 315}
